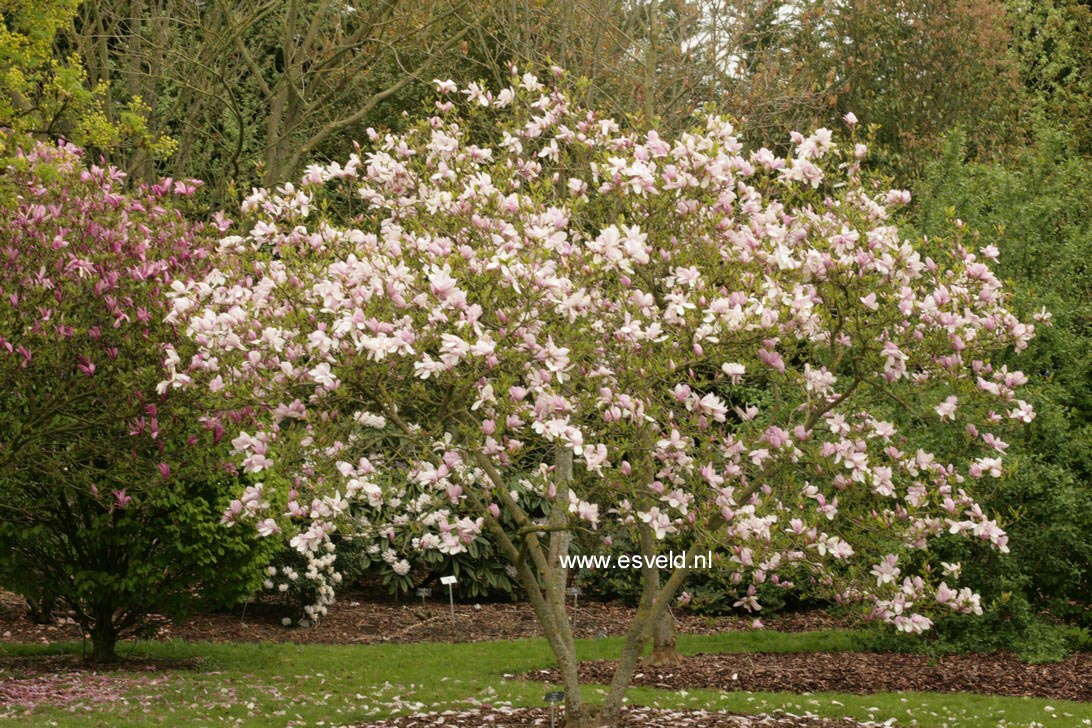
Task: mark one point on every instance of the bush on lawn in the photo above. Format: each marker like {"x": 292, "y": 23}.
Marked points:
{"x": 111, "y": 492}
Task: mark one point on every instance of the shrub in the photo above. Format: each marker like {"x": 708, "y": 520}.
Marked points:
{"x": 111, "y": 492}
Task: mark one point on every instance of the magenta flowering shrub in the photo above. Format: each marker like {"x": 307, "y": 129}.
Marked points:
{"x": 110, "y": 493}
{"x": 517, "y": 301}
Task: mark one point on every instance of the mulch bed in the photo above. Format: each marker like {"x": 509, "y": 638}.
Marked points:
{"x": 631, "y": 717}
{"x": 860, "y": 673}
{"x": 31, "y": 666}
{"x": 362, "y": 619}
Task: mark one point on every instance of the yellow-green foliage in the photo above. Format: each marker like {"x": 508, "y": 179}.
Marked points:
{"x": 45, "y": 95}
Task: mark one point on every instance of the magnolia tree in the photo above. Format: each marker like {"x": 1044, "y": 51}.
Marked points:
{"x": 110, "y": 492}
{"x": 517, "y": 321}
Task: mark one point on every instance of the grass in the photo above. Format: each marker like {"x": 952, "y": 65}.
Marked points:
{"x": 274, "y": 684}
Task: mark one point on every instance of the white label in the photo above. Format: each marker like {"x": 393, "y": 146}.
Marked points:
{"x": 447, "y": 580}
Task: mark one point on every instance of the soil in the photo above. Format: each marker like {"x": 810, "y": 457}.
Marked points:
{"x": 860, "y": 673}
{"x": 363, "y": 619}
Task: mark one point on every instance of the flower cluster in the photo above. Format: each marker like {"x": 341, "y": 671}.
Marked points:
{"x": 85, "y": 265}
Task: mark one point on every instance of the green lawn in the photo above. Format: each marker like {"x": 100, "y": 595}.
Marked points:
{"x": 274, "y": 684}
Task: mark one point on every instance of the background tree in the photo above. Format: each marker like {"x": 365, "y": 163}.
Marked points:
{"x": 47, "y": 94}
{"x": 629, "y": 58}
{"x": 1052, "y": 41}
{"x": 250, "y": 90}
{"x": 660, "y": 60}
{"x": 917, "y": 69}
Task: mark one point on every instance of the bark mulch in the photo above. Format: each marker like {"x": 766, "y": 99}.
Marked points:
{"x": 631, "y": 717}
{"x": 37, "y": 665}
{"x": 859, "y": 673}
{"x": 362, "y": 619}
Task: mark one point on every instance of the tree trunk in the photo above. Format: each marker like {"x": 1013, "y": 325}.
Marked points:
{"x": 104, "y": 632}
{"x": 576, "y": 713}
{"x": 561, "y": 539}
{"x": 532, "y": 559}
{"x": 548, "y": 602}
{"x": 547, "y": 598}
{"x": 664, "y": 643}
{"x": 655, "y": 603}
{"x": 636, "y": 637}
{"x": 40, "y": 608}
{"x": 104, "y": 640}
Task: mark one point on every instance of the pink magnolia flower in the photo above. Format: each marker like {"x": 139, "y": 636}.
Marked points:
{"x": 734, "y": 371}
{"x": 772, "y": 359}
{"x": 1023, "y": 411}
{"x": 268, "y": 527}
{"x": 947, "y": 408}
{"x": 86, "y": 365}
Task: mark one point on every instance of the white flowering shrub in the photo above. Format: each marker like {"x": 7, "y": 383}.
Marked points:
{"x": 518, "y": 302}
